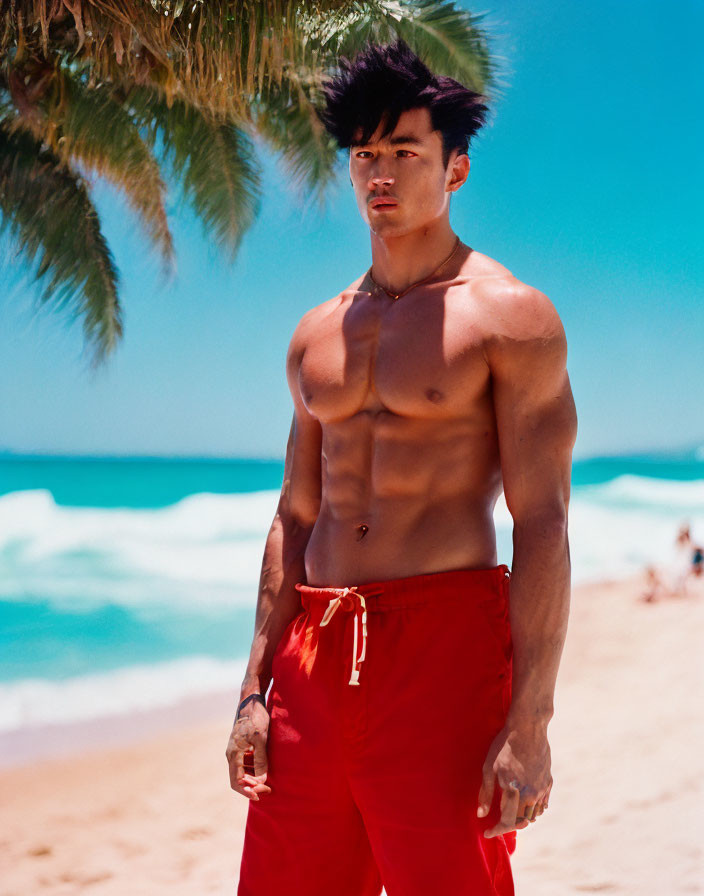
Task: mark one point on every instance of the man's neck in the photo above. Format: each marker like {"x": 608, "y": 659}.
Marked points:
{"x": 399, "y": 262}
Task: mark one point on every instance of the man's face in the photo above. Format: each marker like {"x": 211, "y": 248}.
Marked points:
{"x": 406, "y": 165}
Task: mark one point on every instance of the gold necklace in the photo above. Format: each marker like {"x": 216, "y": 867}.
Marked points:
{"x": 413, "y": 285}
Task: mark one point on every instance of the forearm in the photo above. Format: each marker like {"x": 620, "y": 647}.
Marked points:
{"x": 539, "y": 610}
{"x": 278, "y": 602}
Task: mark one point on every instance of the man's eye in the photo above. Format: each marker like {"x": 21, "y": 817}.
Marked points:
{"x": 364, "y": 153}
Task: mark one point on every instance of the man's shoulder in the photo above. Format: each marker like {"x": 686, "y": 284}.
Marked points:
{"x": 512, "y": 308}
{"x": 522, "y": 330}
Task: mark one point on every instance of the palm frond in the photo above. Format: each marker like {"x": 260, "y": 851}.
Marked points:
{"x": 86, "y": 126}
{"x": 452, "y": 42}
{"x": 49, "y": 213}
{"x": 120, "y": 86}
{"x": 449, "y": 40}
{"x": 212, "y": 53}
{"x": 213, "y": 159}
{"x": 220, "y": 54}
{"x": 292, "y": 128}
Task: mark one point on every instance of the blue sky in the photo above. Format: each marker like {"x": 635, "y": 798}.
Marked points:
{"x": 588, "y": 184}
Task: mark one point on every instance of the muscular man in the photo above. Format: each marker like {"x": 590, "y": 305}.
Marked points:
{"x": 403, "y": 741}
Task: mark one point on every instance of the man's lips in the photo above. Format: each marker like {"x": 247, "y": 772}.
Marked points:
{"x": 382, "y": 201}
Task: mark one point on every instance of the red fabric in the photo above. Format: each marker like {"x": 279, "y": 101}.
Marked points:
{"x": 377, "y": 783}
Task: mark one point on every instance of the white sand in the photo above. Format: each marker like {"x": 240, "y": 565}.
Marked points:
{"x": 157, "y": 816}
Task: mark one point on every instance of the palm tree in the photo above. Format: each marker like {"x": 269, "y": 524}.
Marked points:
{"x": 135, "y": 92}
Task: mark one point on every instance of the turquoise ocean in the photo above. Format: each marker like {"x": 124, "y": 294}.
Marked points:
{"x": 130, "y": 584}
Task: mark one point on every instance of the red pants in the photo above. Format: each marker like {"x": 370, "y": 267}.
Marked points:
{"x": 385, "y": 699}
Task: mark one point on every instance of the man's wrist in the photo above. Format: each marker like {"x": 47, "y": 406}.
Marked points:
{"x": 254, "y": 697}
{"x": 529, "y": 718}
{"x": 251, "y": 684}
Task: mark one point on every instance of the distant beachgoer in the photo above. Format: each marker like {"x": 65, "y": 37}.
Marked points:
{"x": 653, "y": 585}
{"x": 687, "y": 560}
{"x": 682, "y": 561}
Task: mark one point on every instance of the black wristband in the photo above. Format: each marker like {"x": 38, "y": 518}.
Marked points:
{"x": 246, "y": 700}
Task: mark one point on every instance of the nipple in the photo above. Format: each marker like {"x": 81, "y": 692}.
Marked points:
{"x": 362, "y": 529}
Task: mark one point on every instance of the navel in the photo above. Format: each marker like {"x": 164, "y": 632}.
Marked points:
{"x": 362, "y": 530}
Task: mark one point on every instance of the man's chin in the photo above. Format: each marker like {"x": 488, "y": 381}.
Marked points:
{"x": 389, "y": 228}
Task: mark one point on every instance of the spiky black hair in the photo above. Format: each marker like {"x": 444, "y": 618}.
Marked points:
{"x": 388, "y": 80}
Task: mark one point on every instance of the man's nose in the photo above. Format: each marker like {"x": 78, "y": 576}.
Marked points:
{"x": 380, "y": 178}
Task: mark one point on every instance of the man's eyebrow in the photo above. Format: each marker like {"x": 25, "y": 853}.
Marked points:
{"x": 401, "y": 138}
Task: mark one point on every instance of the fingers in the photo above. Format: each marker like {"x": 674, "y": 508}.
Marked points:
{"x": 528, "y": 810}
{"x": 534, "y": 809}
{"x": 486, "y": 791}
{"x": 526, "y": 815}
{"x": 257, "y": 778}
{"x": 543, "y": 801}
{"x": 530, "y": 813}
{"x": 509, "y": 809}
{"x": 252, "y": 786}
{"x": 247, "y": 762}
{"x": 242, "y": 781}
{"x": 518, "y": 812}
{"x": 257, "y": 784}
{"x": 235, "y": 760}
{"x": 260, "y": 762}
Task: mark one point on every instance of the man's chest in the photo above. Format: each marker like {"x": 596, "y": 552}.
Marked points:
{"x": 418, "y": 359}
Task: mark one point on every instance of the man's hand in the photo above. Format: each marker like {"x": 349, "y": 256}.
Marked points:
{"x": 249, "y": 733}
{"x": 520, "y": 758}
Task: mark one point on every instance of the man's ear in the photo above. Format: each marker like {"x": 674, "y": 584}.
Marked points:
{"x": 458, "y": 169}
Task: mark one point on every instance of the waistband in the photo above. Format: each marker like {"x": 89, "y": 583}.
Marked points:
{"x": 410, "y": 591}
{"x": 396, "y": 594}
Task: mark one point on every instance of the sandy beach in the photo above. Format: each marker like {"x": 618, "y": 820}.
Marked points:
{"x": 147, "y": 808}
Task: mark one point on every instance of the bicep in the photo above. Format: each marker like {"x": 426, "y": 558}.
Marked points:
{"x": 535, "y": 412}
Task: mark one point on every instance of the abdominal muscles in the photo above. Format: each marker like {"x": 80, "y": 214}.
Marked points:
{"x": 403, "y": 496}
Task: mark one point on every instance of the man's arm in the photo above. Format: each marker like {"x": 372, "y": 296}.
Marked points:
{"x": 537, "y": 424}
{"x": 278, "y": 601}
{"x": 283, "y": 565}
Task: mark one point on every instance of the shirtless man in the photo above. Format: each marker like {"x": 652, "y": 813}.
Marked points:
{"x": 422, "y": 390}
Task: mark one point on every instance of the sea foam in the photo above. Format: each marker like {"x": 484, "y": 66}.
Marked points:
{"x": 136, "y": 688}
{"x": 203, "y": 555}
{"x": 208, "y": 548}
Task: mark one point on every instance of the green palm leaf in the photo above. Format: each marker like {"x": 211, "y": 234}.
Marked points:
{"x": 121, "y": 87}
{"x": 48, "y": 212}
{"x": 214, "y": 160}
{"x": 84, "y": 125}
{"x": 292, "y": 128}
{"x": 449, "y": 40}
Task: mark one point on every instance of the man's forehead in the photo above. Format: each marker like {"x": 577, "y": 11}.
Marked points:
{"x": 414, "y": 126}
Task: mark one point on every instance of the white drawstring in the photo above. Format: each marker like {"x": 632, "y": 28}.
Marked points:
{"x": 333, "y": 604}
